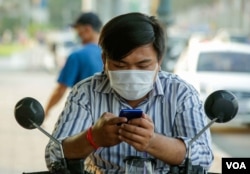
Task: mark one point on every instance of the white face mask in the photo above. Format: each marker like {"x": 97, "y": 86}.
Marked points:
{"x": 132, "y": 84}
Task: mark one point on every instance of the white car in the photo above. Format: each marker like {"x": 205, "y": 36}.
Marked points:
{"x": 212, "y": 66}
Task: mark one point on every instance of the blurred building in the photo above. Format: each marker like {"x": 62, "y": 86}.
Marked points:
{"x": 107, "y": 9}
{"x": 39, "y": 11}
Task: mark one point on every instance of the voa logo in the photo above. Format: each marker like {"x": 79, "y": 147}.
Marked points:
{"x": 236, "y": 165}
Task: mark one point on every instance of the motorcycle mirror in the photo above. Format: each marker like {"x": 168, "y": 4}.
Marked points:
{"x": 221, "y": 104}
{"x": 29, "y": 110}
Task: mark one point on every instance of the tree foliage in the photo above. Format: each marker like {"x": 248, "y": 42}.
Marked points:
{"x": 15, "y": 14}
{"x": 63, "y": 12}
{"x": 180, "y": 5}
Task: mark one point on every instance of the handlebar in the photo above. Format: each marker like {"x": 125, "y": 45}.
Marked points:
{"x": 47, "y": 172}
{"x": 76, "y": 167}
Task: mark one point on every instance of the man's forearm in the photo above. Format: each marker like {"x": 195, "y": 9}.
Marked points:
{"x": 77, "y": 146}
{"x": 170, "y": 150}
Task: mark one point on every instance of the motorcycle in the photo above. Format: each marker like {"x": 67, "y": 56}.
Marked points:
{"x": 220, "y": 106}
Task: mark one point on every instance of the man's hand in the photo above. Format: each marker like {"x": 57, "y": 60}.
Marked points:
{"x": 106, "y": 131}
{"x": 138, "y": 132}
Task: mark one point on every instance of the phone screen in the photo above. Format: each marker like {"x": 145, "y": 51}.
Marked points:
{"x": 130, "y": 113}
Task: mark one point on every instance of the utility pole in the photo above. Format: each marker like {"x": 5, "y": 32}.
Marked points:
{"x": 164, "y": 13}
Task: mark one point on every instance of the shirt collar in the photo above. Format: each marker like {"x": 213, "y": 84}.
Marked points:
{"x": 157, "y": 90}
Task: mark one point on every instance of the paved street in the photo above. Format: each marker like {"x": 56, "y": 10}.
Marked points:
{"x": 234, "y": 140}
{"x": 29, "y": 75}
{"x": 22, "y": 150}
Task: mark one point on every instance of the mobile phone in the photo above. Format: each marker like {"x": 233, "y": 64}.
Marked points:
{"x": 130, "y": 113}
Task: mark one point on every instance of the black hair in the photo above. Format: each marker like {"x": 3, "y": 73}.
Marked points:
{"x": 89, "y": 18}
{"x": 126, "y": 32}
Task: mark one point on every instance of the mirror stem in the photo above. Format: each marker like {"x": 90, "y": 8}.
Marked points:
{"x": 201, "y": 132}
{"x": 188, "y": 160}
{"x": 52, "y": 138}
{"x": 46, "y": 133}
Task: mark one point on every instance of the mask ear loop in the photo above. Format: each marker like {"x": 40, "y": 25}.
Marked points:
{"x": 104, "y": 61}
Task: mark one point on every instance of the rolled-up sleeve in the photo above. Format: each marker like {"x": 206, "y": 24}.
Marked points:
{"x": 189, "y": 121}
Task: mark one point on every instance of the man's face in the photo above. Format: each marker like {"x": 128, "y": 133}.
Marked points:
{"x": 83, "y": 31}
{"x": 141, "y": 58}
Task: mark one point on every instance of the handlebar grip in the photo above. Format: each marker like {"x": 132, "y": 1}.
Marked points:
{"x": 42, "y": 172}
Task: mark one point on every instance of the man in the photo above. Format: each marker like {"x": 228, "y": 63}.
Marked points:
{"x": 83, "y": 62}
{"x": 132, "y": 50}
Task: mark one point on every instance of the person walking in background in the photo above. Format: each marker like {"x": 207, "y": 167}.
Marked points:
{"x": 83, "y": 62}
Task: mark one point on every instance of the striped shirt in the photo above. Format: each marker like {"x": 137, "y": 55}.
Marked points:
{"x": 173, "y": 105}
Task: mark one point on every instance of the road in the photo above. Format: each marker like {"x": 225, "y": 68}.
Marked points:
{"x": 235, "y": 141}
{"x": 22, "y": 150}
{"x": 26, "y": 74}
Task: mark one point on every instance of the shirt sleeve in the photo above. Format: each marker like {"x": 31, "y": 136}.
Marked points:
{"x": 189, "y": 121}
{"x": 69, "y": 72}
{"x": 75, "y": 118}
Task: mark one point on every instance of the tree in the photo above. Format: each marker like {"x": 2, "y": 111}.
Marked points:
{"x": 63, "y": 12}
